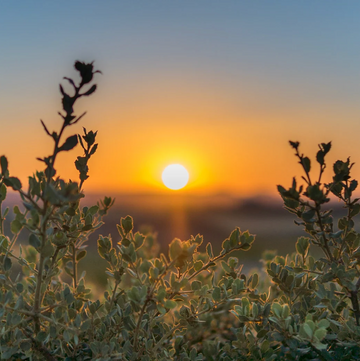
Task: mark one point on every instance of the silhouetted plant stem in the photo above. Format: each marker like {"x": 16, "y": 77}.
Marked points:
{"x": 148, "y": 299}
{"x": 302, "y": 161}
{"x": 1, "y": 218}
{"x": 137, "y": 329}
{"x": 212, "y": 261}
{"x": 56, "y": 150}
{"x": 346, "y": 231}
{"x": 355, "y": 302}
{"x": 54, "y": 257}
{"x": 169, "y": 333}
{"x": 326, "y": 245}
{"x": 37, "y": 294}
{"x": 114, "y": 293}
{"x": 40, "y": 278}
{"x": 74, "y": 264}
{"x": 40, "y": 347}
{"x": 38, "y": 298}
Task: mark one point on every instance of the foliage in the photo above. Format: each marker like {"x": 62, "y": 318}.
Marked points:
{"x": 187, "y": 305}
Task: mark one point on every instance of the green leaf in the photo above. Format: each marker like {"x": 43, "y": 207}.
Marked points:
{"x": 196, "y": 285}
{"x": 90, "y": 91}
{"x": 175, "y": 249}
{"x": 7, "y": 264}
{"x": 13, "y": 182}
{"x": 277, "y": 309}
{"x": 234, "y": 237}
{"x": 92, "y": 210}
{"x": 41, "y": 336}
{"x": 8, "y": 297}
{"x": 15, "y": 226}
{"x": 19, "y": 287}
{"x": 107, "y": 201}
{"x": 2, "y": 192}
{"x": 324, "y": 323}
{"x": 88, "y": 220}
{"x": 295, "y": 145}
{"x": 93, "y": 149}
{"x": 308, "y": 330}
{"x": 320, "y": 346}
{"x": 326, "y": 147}
{"x": 209, "y": 250}
{"x": 69, "y": 144}
{"x": 320, "y": 157}
{"x": 161, "y": 309}
{"x": 344, "y": 223}
{"x": 71, "y": 212}
{"x": 306, "y": 164}
{"x": 81, "y": 255}
{"x": 315, "y": 193}
{"x": 216, "y": 294}
{"x": 265, "y": 346}
{"x": 4, "y": 165}
{"x": 198, "y": 265}
{"x": 85, "y": 325}
{"x": 127, "y": 224}
{"x": 262, "y": 333}
{"x": 353, "y": 185}
{"x": 232, "y": 262}
{"x": 355, "y": 209}
{"x": 254, "y": 281}
{"x": 285, "y": 311}
{"x": 320, "y": 333}
{"x": 170, "y": 304}
{"x": 67, "y": 336}
{"x": 226, "y": 267}
{"x": 139, "y": 240}
{"x": 25, "y": 346}
{"x": 308, "y": 215}
{"x": 302, "y": 246}
{"x": 47, "y": 250}
{"x": 226, "y": 245}
{"x": 34, "y": 241}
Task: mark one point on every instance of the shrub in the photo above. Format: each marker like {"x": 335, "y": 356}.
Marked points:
{"x": 187, "y": 305}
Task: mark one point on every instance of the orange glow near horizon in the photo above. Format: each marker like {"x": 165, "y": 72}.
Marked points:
{"x": 226, "y": 147}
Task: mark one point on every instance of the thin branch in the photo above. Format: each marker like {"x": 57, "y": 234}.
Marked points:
{"x": 74, "y": 264}
{"x": 168, "y": 334}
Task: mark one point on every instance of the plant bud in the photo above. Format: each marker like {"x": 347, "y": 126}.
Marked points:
{"x": 59, "y": 239}
{"x": 127, "y": 224}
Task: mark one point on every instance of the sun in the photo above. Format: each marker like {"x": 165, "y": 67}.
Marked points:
{"x": 175, "y": 176}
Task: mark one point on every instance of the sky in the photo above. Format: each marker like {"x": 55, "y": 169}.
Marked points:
{"x": 217, "y": 86}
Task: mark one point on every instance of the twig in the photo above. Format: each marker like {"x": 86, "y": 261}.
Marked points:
{"x": 74, "y": 265}
{"x": 158, "y": 345}
{"x": 39, "y": 347}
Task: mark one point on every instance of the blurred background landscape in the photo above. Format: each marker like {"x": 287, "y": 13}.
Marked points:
{"x": 179, "y": 216}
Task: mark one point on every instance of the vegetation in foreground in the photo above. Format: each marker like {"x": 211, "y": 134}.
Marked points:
{"x": 185, "y": 305}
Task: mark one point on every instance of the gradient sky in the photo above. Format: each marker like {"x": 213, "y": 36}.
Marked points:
{"x": 218, "y": 86}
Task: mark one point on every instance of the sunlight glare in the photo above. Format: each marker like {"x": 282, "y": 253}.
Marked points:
{"x": 175, "y": 176}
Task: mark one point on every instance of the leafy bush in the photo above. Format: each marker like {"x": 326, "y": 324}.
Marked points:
{"x": 186, "y": 305}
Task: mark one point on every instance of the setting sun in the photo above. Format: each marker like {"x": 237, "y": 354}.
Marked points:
{"x": 175, "y": 176}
